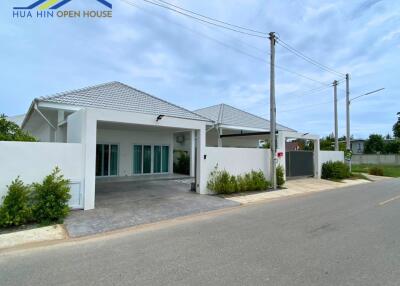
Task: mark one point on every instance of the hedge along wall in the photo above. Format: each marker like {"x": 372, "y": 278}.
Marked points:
{"x": 325, "y": 156}
{"x": 32, "y": 161}
{"x": 238, "y": 161}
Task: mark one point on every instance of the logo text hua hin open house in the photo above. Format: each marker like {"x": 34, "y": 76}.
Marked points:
{"x": 60, "y": 9}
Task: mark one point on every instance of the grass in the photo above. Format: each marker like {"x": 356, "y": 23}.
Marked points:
{"x": 388, "y": 170}
{"x": 358, "y": 176}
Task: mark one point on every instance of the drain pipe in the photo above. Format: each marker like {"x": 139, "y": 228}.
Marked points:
{"x": 35, "y": 107}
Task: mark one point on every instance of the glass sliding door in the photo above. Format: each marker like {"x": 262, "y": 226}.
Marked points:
{"x": 137, "y": 159}
{"x": 99, "y": 160}
{"x": 147, "y": 159}
{"x": 114, "y": 160}
{"x": 106, "y": 160}
{"x": 157, "y": 159}
{"x": 165, "y": 159}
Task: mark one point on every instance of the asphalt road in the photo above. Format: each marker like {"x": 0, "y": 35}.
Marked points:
{"x": 344, "y": 237}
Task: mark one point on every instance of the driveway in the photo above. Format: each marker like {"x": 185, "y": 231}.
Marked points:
{"x": 346, "y": 237}
{"x": 126, "y": 204}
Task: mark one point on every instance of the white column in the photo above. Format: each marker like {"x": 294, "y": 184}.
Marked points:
{"x": 201, "y": 176}
{"x": 192, "y": 152}
{"x": 219, "y": 133}
{"x": 281, "y": 147}
{"x": 317, "y": 166}
{"x": 58, "y": 134}
{"x": 89, "y": 147}
{"x": 171, "y": 155}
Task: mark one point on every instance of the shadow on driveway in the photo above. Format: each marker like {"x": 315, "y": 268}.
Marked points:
{"x": 125, "y": 204}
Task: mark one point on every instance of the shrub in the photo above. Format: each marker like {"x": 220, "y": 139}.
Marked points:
{"x": 16, "y": 209}
{"x": 335, "y": 171}
{"x": 280, "y": 176}
{"x": 221, "y": 182}
{"x": 376, "y": 170}
{"x": 50, "y": 198}
{"x": 182, "y": 166}
{"x": 10, "y": 131}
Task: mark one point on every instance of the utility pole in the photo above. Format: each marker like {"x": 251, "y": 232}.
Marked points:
{"x": 335, "y": 83}
{"x": 348, "y": 146}
{"x": 272, "y": 111}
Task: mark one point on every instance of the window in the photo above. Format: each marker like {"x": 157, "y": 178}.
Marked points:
{"x": 161, "y": 159}
{"x": 106, "y": 160}
{"x": 150, "y": 159}
{"x": 157, "y": 159}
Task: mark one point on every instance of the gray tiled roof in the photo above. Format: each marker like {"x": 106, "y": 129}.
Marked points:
{"x": 121, "y": 97}
{"x": 229, "y": 115}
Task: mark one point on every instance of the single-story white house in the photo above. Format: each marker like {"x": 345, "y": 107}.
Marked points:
{"x": 113, "y": 130}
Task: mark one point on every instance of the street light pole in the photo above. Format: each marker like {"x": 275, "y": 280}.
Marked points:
{"x": 272, "y": 111}
{"x": 348, "y": 146}
{"x": 335, "y": 83}
{"x": 348, "y": 102}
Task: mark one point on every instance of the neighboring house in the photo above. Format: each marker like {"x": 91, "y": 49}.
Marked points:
{"x": 114, "y": 132}
{"x": 357, "y": 146}
{"x": 292, "y": 146}
{"x": 233, "y": 127}
{"x": 17, "y": 119}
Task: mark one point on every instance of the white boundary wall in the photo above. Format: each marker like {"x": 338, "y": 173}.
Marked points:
{"x": 325, "y": 156}
{"x": 237, "y": 161}
{"x": 32, "y": 161}
{"x": 389, "y": 159}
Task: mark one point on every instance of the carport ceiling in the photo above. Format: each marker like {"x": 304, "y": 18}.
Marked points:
{"x": 133, "y": 127}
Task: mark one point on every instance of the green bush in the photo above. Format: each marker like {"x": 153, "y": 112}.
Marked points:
{"x": 16, "y": 209}
{"x": 221, "y": 182}
{"x": 375, "y": 170}
{"x": 280, "y": 176}
{"x": 50, "y": 199}
{"x": 182, "y": 166}
{"x": 335, "y": 171}
{"x": 10, "y": 131}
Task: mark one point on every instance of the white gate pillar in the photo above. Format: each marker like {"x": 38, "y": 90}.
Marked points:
{"x": 192, "y": 151}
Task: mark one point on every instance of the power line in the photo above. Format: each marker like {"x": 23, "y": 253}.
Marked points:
{"x": 234, "y": 48}
{"x": 213, "y": 19}
{"x": 206, "y": 21}
{"x": 308, "y": 59}
{"x": 309, "y": 92}
{"x": 308, "y": 106}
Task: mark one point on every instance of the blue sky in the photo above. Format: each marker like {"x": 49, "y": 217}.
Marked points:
{"x": 189, "y": 63}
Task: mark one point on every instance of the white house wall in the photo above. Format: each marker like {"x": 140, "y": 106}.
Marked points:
{"x": 238, "y": 161}
{"x": 127, "y": 138}
{"x": 32, "y": 161}
{"x": 326, "y": 156}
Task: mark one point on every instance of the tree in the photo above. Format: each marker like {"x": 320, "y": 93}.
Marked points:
{"x": 375, "y": 144}
{"x": 392, "y": 147}
{"x": 9, "y": 131}
{"x": 396, "y": 127}
{"x": 328, "y": 143}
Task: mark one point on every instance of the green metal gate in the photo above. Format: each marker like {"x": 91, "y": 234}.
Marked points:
{"x": 300, "y": 164}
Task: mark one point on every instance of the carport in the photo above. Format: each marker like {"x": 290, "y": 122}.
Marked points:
{"x": 127, "y": 145}
{"x": 122, "y": 204}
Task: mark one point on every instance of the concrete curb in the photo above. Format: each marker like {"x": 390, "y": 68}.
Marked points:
{"x": 36, "y": 235}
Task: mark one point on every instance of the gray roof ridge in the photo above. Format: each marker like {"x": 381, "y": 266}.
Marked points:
{"x": 59, "y": 94}
{"x": 157, "y": 98}
{"x": 221, "y": 113}
{"x": 207, "y": 107}
{"x": 246, "y": 112}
